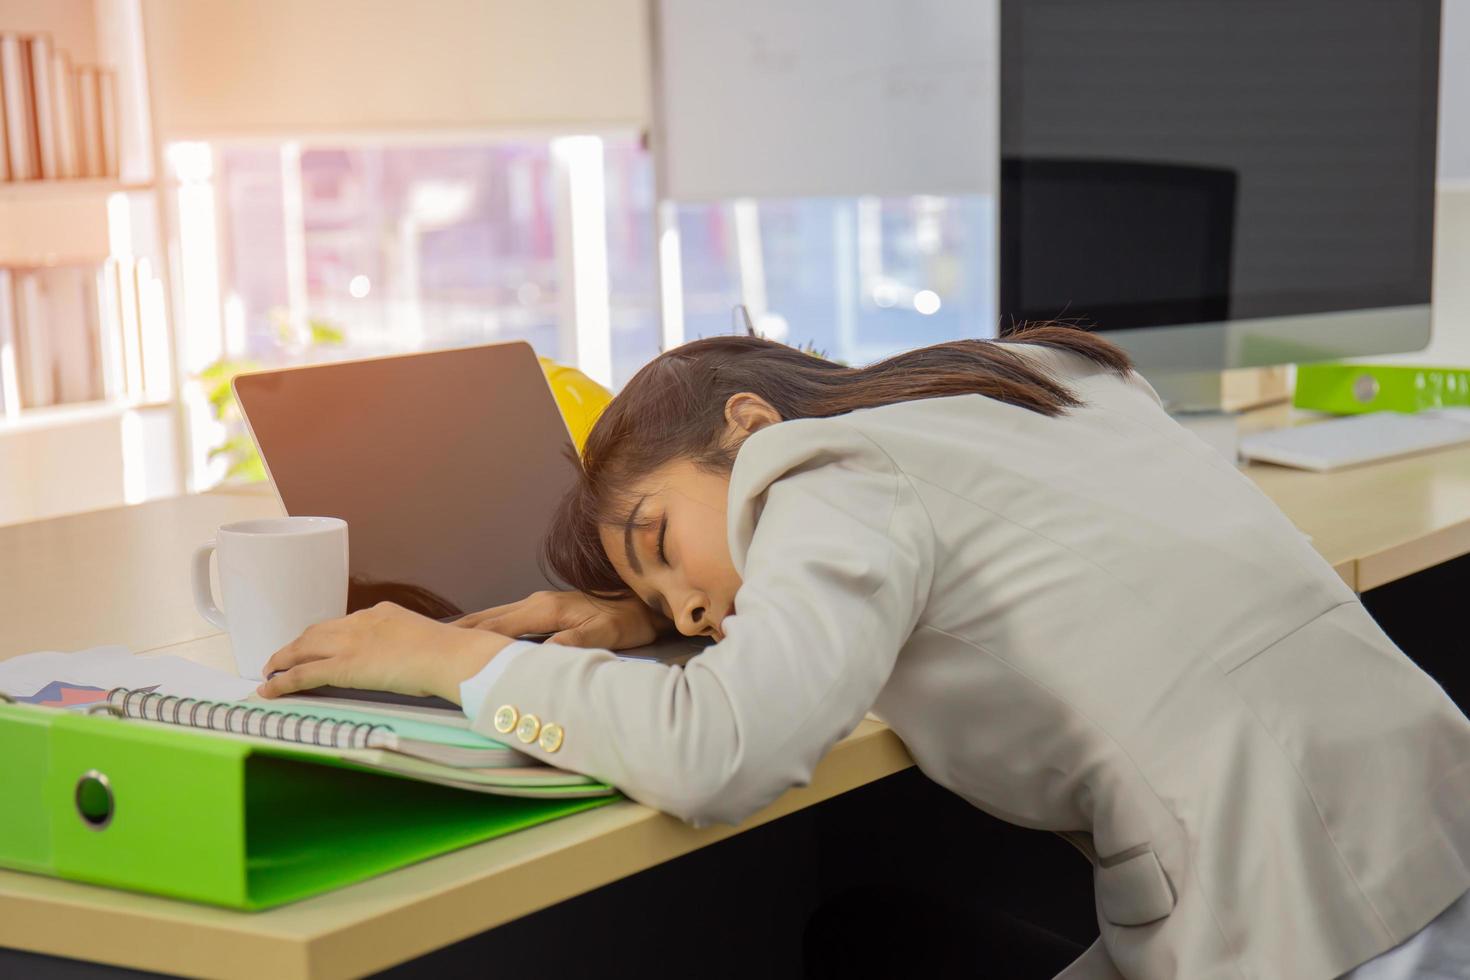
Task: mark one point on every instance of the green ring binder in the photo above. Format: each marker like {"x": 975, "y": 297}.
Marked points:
{"x": 211, "y": 817}
{"x": 1351, "y": 389}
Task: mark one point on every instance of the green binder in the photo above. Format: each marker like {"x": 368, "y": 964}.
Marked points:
{"x": 221, "y": 819}
{"x": 1349, "y": 389}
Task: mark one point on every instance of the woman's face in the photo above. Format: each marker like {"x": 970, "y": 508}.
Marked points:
{"x": 672, "y": 550}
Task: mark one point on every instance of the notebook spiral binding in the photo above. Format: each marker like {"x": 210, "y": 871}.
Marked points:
{"x": 242, "y": 719}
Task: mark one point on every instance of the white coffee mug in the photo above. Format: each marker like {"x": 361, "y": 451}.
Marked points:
{"x": 277, "y": 576}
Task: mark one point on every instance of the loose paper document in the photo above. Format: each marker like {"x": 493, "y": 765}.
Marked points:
{"x": 66, "y": 680}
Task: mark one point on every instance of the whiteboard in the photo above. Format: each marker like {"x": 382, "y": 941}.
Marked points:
{"x": 803, "y": 98}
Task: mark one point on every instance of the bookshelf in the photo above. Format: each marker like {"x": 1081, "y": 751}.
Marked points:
{"x": 88, "y": 417}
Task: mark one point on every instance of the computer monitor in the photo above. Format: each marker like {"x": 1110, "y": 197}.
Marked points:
{"x": 1220, "y": 183}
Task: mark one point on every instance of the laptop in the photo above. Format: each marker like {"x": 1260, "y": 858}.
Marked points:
{"x": 446, "y": 465}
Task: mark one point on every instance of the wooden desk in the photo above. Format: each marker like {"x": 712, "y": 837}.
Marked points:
{"x": 112, "y": 576}
{"x": 1378, "y": 523}
{"x": 122, "y": 576}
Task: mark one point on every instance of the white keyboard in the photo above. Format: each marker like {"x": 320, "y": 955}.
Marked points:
{"x": 1356, "y": 439}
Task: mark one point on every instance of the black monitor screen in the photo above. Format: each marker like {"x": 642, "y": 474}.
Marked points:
{"x": 1182, "y": 161}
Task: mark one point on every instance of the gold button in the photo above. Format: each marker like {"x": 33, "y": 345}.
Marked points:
{"x": 506, "y": 717}
{"x": 529, "y": 727}
{"x": 551, "y": 735}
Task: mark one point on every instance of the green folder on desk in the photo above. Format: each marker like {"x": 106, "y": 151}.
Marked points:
{"x": 224, "y": 819}
{"x": 1351, "y": 389}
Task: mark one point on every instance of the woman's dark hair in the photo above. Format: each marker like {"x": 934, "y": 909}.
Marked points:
{"x": 674, "y": 408}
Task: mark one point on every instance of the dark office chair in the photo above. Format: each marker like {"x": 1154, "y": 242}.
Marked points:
{"x": 1118, "y": 243}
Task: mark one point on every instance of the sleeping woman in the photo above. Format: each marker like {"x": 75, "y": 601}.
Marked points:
{"x": 1076, "y": 615}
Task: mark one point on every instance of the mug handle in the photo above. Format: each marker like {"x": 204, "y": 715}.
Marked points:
{"x": 203, "y": 594}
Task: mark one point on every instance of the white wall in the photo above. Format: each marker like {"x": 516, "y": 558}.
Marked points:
{"x": 769, "y": 98}
{"x": 1454, "y": 93}
{"x": 1450, "y": 334}
{"x": 69, "y": 22}
{"x": 231, "y": 68}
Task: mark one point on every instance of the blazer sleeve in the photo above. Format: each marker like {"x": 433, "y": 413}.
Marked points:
{"x": 834, "y": 578}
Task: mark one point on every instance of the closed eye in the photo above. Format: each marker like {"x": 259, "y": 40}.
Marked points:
{"x": 663, "y": 529}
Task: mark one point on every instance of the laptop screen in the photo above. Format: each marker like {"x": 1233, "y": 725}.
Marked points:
{"x": 446, "y": 466}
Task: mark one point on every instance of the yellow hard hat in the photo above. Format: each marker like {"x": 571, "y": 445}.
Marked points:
{"x": 580, "y": 398}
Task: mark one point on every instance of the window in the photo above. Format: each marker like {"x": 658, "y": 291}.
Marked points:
{"x": 294, "y": 252}
{"x": 857, "y": 279}
{"x": 392, "y": 248}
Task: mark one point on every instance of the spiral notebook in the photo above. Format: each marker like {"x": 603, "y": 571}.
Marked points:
{"x": 404, "y": 746}
{"x": 327, "y": 726}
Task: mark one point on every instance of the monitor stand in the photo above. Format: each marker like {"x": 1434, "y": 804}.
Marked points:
{"x": 1236, "y": 390}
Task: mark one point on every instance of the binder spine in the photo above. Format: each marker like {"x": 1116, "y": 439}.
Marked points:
{"x": 244, "y": 719}
{"x": 1350, "y": 389}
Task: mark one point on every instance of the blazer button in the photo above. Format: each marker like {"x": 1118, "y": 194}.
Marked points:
{"x": 528, "y": 729}
{"x": 551, "y": 736}
{"x": 506, "y": 717}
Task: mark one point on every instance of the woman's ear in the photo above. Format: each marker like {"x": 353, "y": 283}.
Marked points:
{"x": 747, "y": 413}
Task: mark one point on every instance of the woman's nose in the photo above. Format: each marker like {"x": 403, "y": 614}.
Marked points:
{"x": 694, "y": 617}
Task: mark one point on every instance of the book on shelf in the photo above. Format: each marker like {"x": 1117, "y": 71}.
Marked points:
{"x": 4, "y": 130}
{"x": 64, "y": 88}
{"x": 9, "y": 367}
{"x": 20, "y": 129}
{"x": 51, "y": 337}
{"x": 38, "y": 61}
{"x": 129, "y": 318}
{"x": 114, "y": 368}
{"x": 89, "y": 111}
{"x": 33, "y": 343}
{"x": 72, "y": 321}
{"x": 107, "y": 110}
{"x": 158, "y": 385}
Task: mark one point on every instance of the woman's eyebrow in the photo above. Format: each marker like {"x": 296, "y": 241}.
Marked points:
{"x": 632, "y": 556}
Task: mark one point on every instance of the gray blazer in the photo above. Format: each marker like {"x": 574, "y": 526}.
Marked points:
{"x": 1091, "y": 624}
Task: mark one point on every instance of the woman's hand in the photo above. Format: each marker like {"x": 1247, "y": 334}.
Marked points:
{"x": 385, "y": 648}
{"x": 574, "y": 619}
